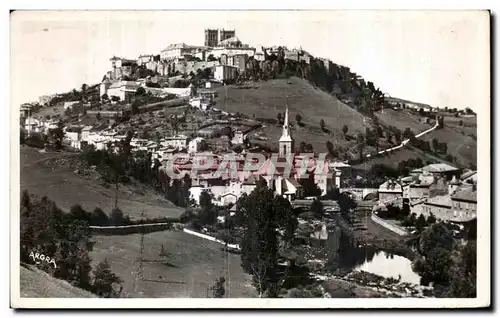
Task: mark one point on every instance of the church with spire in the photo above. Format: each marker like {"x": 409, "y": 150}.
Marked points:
{"x": 286, "y": 146}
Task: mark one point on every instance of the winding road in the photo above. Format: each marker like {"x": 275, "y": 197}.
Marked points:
{"x": 406, "y": 141}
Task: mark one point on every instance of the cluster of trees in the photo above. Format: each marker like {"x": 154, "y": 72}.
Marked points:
{"x": 116, "y": 218}
{"x": 305, "y": 148}
{"x": 67, "y": 239}
{"x": 120, "y": 166}
{"x": 142, "y": 98}
{"x": 451, "y": 267}
{"x": 407, "y": 219}
{"x": 405, "y": 166}
{"x": 175, "y": 190}
{"x": 421, "y": 144}
{"x": 265, "y": 219}
{"x": 378, "y": 173}
{"x": 439, "y": 147}
{"x": 330, "y": 77}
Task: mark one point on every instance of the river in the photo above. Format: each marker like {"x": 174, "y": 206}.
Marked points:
{"x": 390, "y": 265}
{"x": 345, "y": 253}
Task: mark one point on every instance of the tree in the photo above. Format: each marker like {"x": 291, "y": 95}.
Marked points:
{"x": 115, "y": 98}
{"x": 84, "y": 87}
{"x": 208, "y": 213}
{"x": 435, "y": 267}
{"x": 298, "y": 119}
{"x": 317, "y": 207}
{"x": 436, "y": 235}
{"x": 322, "y": 124}
{"x": 227, "y": 131}
{"x": 135, "y": 107}
{"x": 435, "y": 144}
{"x": 421, "y": 223}
{"x": 464, "y": 273}
{"x": 259, "y": 244}
{"x": 435, "y": 246}
{"x": 279, "y": 117}
{"x": 309, "y": 187}
{"x": 218, "y": 288}
{"x": 329, "y": 147}
{"x": 98, "y": 116}
{"x": 105, "y": 281}
{"x": 286, "y": 218}
{"x": 22, "y": 136}
{"x": 408, "y": 134}
{"x": 117, "y": 217}
{"x": 346, "y": 205}
{"x": 105, "y": 97}
{"x": 397, "y": 136}
{"x": 77, "y": 212}
{"x": 141, "y": 91}
{"x": 431, "y": 219}
{"x": 203, "y": 146}
{"x": 98, "y": 218}
{"x": 344, "y": 130}
{"x": 302, "y": 147}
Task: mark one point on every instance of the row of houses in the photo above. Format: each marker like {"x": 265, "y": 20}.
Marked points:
{"x": 34, "y": 125}
{"x": 439, "y": 189}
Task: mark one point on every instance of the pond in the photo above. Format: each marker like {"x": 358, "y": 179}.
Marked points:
{"x": 390, "y": 265}
{"x": 345, "y": 253}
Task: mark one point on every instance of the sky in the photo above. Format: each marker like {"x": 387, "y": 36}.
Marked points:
{"x": 435, "y": 57}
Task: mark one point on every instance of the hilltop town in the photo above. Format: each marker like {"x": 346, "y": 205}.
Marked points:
{"x": 202, "y": 130}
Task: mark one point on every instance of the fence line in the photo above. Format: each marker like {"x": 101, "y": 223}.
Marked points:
{"x": 135, "y": 228}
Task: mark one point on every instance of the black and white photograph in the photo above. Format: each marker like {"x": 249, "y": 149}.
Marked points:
{"x": 242, "y": 159}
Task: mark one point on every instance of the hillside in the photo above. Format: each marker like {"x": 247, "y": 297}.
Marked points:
{"x": 191, "y": 266}
{"x": 35, "y": 283}
{"x": 46, "y": 174}
{"x": 265, "y": 99}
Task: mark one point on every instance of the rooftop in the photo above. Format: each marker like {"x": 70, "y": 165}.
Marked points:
{"x": 441, "y": 200}
{"x": 467, "y": 194}
{"x": 467, "y": 175}
{"x": 439, "y": 167}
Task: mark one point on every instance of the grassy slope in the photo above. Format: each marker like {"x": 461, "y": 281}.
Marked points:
{"x": 269, "y": 98}
{"x": 460, "y": 144}
{"x": 402, "y": 119}
{"x": 193, "y": 265}
{"x": 35, "y": 283}
{"x": 66, "y": 188}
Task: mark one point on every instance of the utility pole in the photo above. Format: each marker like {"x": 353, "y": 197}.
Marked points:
{"x": 141, "y": 252}
{"x": 116, "y": 191}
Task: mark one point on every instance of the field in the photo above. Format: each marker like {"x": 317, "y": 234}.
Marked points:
{"x": 55, "y": 110}
{"x": 402, "y": 119}
{"x": 35, "y": 283}
{"x": 463, "y": 147}
{"x": 267, "y": 99}
{"x": 66, "y": 188}
{"x": 192, "y": 265}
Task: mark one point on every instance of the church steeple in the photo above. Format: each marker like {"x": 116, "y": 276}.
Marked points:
{"x": 286, "y": 141}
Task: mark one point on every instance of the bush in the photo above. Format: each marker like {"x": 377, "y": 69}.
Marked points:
{"x": 99, "y": 218}
{"x": 117, "y": 217}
